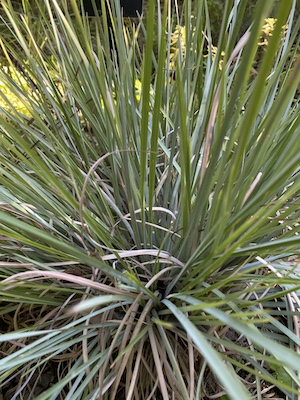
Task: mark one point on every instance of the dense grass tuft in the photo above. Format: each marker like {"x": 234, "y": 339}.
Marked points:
{"x": 149, "y": 205}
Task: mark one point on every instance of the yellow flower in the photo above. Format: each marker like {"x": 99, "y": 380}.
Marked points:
{"x": 267, "y": 30}
{"x": 214, "y": 51}
{"x": 12, "y": 99}
{"x": 178, "y": 37}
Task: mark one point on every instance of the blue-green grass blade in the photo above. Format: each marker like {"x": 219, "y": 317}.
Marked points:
{"x": 232, "y": 385}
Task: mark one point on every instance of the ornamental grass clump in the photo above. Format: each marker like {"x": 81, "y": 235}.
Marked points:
{"x": 149, "y": 241}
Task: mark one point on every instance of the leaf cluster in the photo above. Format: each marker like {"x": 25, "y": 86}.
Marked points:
{"x": 146, "y": 237}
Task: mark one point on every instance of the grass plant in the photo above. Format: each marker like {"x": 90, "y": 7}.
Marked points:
{"x": 149, "y": 206}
